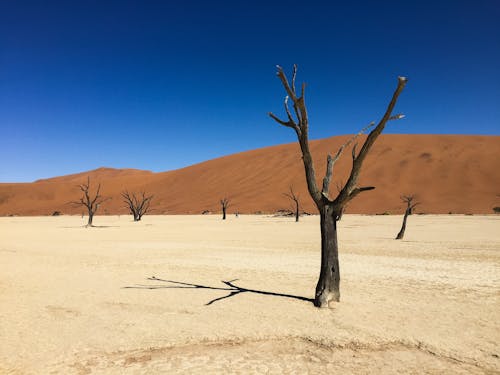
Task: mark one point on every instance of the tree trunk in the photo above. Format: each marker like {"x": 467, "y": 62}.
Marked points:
{"x": 91, "y": 217}
{"x": 223, "y": 213}
{"x": 327, "y": 289}
{"x": 296, "y": 211}
{"x": 340, "y": 214}
{"x": 401, "y": 233}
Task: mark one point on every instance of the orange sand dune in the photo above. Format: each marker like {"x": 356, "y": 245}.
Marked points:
{"x": 448, "y": 173}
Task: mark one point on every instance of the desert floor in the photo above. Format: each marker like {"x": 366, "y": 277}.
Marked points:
{"x": 148, "y": 297}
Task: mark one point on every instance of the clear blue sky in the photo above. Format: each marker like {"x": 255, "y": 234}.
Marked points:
{"x": 159, "y": 85}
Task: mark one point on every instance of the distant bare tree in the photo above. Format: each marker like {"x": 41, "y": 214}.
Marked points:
{"x": 137, "y": 204}
{"x": 295, "y": 199}
{"x": 90, "y": 201}
{"x": 496, "y": 209}
{"x": 327, "y": 288}
{"x": 410, "y": 205}
{"x": 225, "y": 204}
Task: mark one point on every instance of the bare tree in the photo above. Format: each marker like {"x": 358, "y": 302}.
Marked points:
{"x": 137, "y": 204}
{"x": 408, "y": 199}
{"x": 327, "y": 288}
{"x": 90, "y": 201}
{"x": 225, "y": 204}
{"x": 295, "y": 199}
{"x": 340, "y": 186}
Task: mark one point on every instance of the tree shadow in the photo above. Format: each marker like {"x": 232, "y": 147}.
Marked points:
{"x": 231, "y": 288}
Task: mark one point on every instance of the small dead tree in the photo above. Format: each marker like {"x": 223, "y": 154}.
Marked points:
{"x": 327, "y": 288}
{"x": 408, "y": 199}
{"x": 225, "y": 204}
{"x": 137, "y": 204}
{"x": 90, "y": 201}
{"x": 296, "y": 204}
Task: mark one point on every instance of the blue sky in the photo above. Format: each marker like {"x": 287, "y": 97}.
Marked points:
{"x": 160, "y": 85}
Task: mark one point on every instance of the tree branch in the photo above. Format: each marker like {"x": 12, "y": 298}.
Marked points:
{"x": 408, "y": 199}
{"x": 357, "y": 190}
{"x": 396, "y": 117}
{"x": 290, "y": 118}
{"x": 138, "y": 205}
{"x": 281, "y": 75}
{"x": 292, "y": 195}
{"x": 225, "y": 202}
{"x": 288, "y": 124}
{"x": 301, "y": 129}
{"x": 381, "y": 125}
{"x": 78, "y": 203}
{"x": 96, "y": 195}
{"x": 345, "y": 194}
{"x": 330, "y": 162}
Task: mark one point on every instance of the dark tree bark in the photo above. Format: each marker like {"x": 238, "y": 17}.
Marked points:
{"x": 296, "y": 204}
{"x": 409, "y": 210}
{"x": 138, "y": 205}
{"x": 89, "y": 201}
{"x": 327, "y": 288}
{"x": 225, "y": 204}
{"x": 342, "y": 211}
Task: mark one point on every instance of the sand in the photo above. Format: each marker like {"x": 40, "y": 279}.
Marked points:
{"x": 146, "y": 298}
{"x": 447, "y": 173}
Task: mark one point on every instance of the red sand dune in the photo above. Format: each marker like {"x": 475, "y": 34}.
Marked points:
{"x": 447, "y": 173}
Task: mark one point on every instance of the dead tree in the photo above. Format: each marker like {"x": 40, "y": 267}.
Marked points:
{"x": 327, "y": 288}
{"x": 137, "y": 204}
{"x": 90, "y": 201}
{"x": 225, "y": 204}
{"x": 408, "y": 199}
{"x": 296, "y": 204}
{"x": 340, "y": 185}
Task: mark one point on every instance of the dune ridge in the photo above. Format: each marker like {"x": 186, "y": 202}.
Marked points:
{"x": 448, "y": 173}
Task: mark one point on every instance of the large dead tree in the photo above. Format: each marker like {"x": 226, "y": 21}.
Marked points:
{"x": 90, "y": 201}
{"x": 410, "y": 205}
{"x": 330, "y": 209}
{"x": 225, "y": 204}
{"x": 296, "y": 204}
{"x": 137, "y": 204}
{"x": 339, "y": 189}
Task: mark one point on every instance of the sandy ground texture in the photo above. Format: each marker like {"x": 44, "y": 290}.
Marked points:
{"x": 196, "y": 295}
